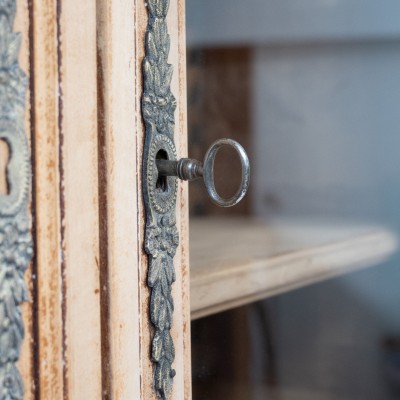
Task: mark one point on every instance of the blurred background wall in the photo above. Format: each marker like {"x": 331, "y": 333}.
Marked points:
{"x": 325, "y": 143}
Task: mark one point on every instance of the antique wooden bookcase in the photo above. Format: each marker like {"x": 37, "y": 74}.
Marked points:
{"x": 91, "y": 328}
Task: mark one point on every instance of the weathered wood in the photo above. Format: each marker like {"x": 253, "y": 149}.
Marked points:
{"x": 90, "y": 315}
{"x": 182, "y": 305}
{"x": 237, "y": 261}
{"x": 46, "y": 178}
{"x": 119, "y": 120}
{"x": 80, "y": 200}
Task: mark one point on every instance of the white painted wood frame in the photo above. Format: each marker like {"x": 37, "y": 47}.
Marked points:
{"x": 87, "y": 325}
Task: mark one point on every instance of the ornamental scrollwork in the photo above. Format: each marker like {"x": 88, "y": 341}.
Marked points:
{"x": 161, "y": 234}
{"x": 15, "y": 239}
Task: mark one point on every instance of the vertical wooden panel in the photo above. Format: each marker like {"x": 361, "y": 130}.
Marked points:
{"x": 92, "y": 296}
{"x": 47, "y": 199}
{"x": 145, "y": 327}
{"x": 181, "y": 326}
{"x": 118, "y": 118}
{"x": 183, "y": 206}
{"x": 80, "y": 205}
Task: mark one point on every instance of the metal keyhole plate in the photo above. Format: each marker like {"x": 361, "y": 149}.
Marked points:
{"x": 162, "y": 195}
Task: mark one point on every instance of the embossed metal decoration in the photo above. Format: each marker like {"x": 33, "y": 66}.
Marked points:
{"x": 160, "y": 172}
{"x": 15, "y": 238}
{"x": 161, "y": 236}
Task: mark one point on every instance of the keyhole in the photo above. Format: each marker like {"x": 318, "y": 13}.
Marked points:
{"x": 4, "y": 159}
{"x": 162, "y": 182}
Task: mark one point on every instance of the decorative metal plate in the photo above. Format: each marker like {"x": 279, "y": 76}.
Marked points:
{"x": 161, "y": 236}
{"x": 15, "y": 238}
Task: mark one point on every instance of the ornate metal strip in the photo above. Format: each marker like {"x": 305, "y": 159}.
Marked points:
{"x": 15, "y": 238}
{"x": 161, "y": 236}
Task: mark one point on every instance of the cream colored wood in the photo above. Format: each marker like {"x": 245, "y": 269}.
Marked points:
{"x": 47, "y": 199}
{"x": 91, "y": 314}
{"x": 180, "y": 289}
{"x": 238, "y": 261}
{"x": 182, "y": 264}
{"x": 80, "y": 200}
{"x": 145, "y": 328}
{"x": 121, "y": 194}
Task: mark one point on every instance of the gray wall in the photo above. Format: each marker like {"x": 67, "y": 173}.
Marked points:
{"x": 224, "y": 22}
{"x": 326, "y": 128}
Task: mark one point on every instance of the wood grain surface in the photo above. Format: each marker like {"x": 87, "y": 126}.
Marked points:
{"x": 235, "y": 261}
{"x": 88, "y": 331}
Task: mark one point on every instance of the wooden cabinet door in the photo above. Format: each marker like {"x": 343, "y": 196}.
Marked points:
{"x": 91, "y": 277}
{"x": 88, "y": 333}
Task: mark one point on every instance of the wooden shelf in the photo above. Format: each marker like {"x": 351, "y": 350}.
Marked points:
{"x": 236, "y": 261}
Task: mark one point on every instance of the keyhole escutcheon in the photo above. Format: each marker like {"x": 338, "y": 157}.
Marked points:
{"x": 4, "y": 159}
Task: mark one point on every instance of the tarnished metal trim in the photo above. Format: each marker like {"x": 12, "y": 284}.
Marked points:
{"x": 15, "y": 239}
{"x": 161, "y": 236}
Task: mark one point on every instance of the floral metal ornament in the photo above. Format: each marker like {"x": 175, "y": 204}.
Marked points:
{"x": 161, "y": 236}
{"x": 15, "y": 238}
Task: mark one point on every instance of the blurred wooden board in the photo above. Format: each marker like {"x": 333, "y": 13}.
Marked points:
{"x": 235, "y": 261}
